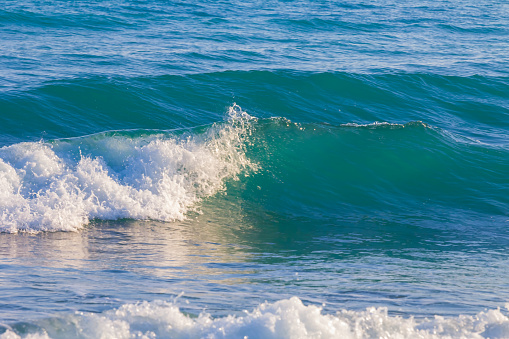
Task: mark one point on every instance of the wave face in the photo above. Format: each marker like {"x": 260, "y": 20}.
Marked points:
{"x": 412, "y": 170}
{"x": 283, "y": 319}
{"x": 61, "y": 185}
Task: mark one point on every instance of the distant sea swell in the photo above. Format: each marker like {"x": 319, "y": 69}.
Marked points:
{"x": 474, "y": 106}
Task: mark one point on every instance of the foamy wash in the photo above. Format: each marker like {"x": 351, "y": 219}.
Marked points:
{"x": 263, "y": 170}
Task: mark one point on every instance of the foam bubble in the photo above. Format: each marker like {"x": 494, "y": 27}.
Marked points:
{"x": 288, "y": 318}
{"x": 64, "y": 184}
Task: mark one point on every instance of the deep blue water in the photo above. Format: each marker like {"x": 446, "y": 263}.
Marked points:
{"x": 325, "y": 169}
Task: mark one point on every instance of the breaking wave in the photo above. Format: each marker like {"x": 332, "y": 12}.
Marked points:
{"x": 288, "y": 318}
{"x": 304, "y": 169}
{"x": 62, "y": 185}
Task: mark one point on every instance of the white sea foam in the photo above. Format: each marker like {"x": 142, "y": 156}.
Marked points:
{"x": 385, "y": 124}
{"x": 283, "y": 319}
{"x": 64, "y": 184}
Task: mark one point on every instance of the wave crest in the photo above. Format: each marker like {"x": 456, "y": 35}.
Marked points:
{"x": 64, "y": 184}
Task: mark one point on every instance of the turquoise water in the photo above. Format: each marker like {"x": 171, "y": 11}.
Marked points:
{"x": 284, "y": 169}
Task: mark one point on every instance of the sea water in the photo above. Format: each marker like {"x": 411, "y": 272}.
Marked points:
{"x": 262, "y": 169}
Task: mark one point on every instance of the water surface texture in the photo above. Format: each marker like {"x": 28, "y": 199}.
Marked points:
{"x": 263, "y": 169}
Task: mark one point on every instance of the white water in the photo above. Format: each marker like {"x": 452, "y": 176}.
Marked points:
{"x": 283, "y": 319}
{"x": 61, "y": 186}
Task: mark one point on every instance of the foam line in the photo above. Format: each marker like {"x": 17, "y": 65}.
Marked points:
{"x": 288, "y": 318}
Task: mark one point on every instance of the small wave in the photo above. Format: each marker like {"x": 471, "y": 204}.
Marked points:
{"x": 62, "y": 185}
{"x": 288, "y": 318}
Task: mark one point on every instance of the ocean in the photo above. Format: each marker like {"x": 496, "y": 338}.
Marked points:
{"x": 254, "y": 169}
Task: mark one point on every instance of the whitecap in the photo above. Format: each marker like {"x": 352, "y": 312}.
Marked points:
{"x": 62, "y": 185}
{"x": 288, "y": 318}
